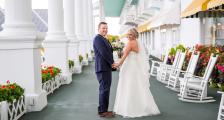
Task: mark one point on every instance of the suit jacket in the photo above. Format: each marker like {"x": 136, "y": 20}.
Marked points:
{"x": 103, "y": 54}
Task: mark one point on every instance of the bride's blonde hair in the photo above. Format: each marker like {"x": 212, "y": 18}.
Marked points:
{"x": 134, "y": 31}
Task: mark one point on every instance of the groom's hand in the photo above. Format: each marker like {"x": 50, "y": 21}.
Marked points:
{"x": 115, "y": 65}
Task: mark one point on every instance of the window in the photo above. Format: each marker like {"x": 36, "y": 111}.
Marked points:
{"x": 219, "y": 25}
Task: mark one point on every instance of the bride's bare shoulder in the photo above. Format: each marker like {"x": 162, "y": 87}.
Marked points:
{"x": 134, "y": 46}
{"x": 133, "y": 42}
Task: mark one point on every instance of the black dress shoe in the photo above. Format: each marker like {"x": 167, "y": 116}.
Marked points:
{"x": 106, "y": 114}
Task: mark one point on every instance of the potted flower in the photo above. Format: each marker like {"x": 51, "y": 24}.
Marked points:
{"x": 12, "y": 101}
{"x": 172, "y": 53}
{"x": 49, "y": 72}
{"x": 10, "y": 92}
{"x": 70, "y": 64}
{"x": 80, "y": 58}
{"x": 51, "y": 78}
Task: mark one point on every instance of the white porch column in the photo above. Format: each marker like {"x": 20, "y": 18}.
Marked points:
{"x": 102, "y": 14}
{"x": 90, "y": 28}
{"x": 69, "y": 22}
{"x": 18, "y": 19}
{"x": 80, "y": 28}
{"x": 56, "y": 43}
{"x": 84, "y": 42}
{"x": 152, "y": 40}
{"x": 92, "y": 22}
{"x": 20, "y": 53}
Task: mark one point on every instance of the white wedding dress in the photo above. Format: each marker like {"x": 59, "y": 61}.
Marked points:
{"x": 133, "y": 97}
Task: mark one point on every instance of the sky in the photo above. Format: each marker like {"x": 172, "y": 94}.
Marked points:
{"x": 113, "y": 22}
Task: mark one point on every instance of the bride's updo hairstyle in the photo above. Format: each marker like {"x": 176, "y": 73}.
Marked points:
{"x": 134, "y": 32}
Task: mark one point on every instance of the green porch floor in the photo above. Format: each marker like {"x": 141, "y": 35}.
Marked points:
{"x": 79, "y": 101}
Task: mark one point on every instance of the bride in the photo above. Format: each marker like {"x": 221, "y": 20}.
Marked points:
{"x": 133, "y": 97}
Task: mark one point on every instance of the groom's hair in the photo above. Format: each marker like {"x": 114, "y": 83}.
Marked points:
{"x": 101, "y": 23}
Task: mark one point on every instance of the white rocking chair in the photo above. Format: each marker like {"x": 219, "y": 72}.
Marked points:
{"x": 194, "y": 88}
{"x": 174, "y": 79}
{"x": 165, "y": 67}
{"x": 221, "y": 107}
{"x": 169, "y": 69}
{"x": 156, "y": 65}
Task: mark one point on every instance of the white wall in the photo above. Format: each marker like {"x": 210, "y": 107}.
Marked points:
{"x": 190, "y": 30}
{"x": 208, "y": 23}
{"x": 158, "y": 48}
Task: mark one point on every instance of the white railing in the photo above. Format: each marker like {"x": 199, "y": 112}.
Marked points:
{"x": 51, "y": 85}
{"x": 72, "y": 69}
{"x": 78, "y": 67}
{"x": 1, "y": 112}
{"x": 12, "y": 111}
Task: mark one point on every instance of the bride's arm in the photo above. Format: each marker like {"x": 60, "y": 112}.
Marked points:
{"x": 125, "y": 54}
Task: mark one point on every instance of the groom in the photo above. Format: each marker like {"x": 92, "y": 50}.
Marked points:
{"x": 103, "y": 67}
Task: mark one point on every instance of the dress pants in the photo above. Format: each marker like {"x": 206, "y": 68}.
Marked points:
{"x": 104, "y": 79}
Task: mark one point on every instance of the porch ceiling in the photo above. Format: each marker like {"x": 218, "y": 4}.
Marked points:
{"x": 113, "y": 8}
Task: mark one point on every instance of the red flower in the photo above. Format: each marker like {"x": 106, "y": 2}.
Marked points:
{"x": 12, "y": 87}
{"x": 3, "y": 87}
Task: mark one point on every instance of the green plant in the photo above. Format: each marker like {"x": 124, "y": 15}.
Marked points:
{"x": 70, "y": 63}
{"x": 87, "y": 55}
{"x": 80, "y": 58}
{"x": 181, "y": 48}
{"x": 10, "y": 91}
{"x": 213, "y": 84}
{"x": 172, "y": 52}
{"x": 92, "y": 53}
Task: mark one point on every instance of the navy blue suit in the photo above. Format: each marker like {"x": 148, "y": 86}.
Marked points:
{"x": 103, "y": 62}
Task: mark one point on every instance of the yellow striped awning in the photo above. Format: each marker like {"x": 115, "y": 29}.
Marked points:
{"x": 195, "y": 7}
{"x": 215, "y": 3}
{"x": 143, "y": 27}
